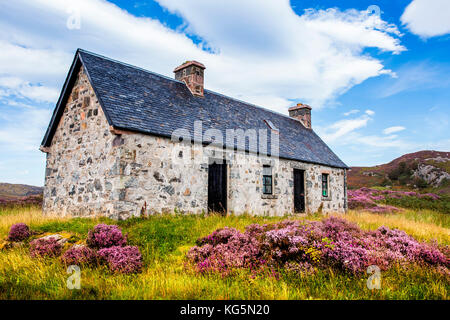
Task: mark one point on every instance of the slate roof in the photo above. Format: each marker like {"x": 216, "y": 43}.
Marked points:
{"x": 142, "y": 101}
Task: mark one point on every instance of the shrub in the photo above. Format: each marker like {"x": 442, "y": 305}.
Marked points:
{"x": 213, "y": 253}
{"x": 19, "y": 232}
{"x": 386, "y": 182}
{"x": 420, "y": 183}
{"x": 385, "y": 201}
{"x": 303, "y": 246}
{"x": 105, "y": 236}
{"x": 365, "y": 198}
{"x": 126, "y": 259}
{"x": 79, "y": 255}
{"x": 49, "y": 247}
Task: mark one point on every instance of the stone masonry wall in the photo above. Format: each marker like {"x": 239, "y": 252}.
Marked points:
{"x": 81, "y": 157}
{"x": 91, "y": 170}
{"x": 161, "y": 175}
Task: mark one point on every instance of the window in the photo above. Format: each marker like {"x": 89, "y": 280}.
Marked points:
{"x": 271, "y": 125}
{"x": 324, "y": 184}
{"x": 267, "y": 179}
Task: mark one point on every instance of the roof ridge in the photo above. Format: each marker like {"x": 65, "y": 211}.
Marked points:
{"x": 127, "y": 64}
{"x": 252, "y": 105}
{"x": 178, "y": 81}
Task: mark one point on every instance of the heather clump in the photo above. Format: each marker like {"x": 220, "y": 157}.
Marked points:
{"x": 218, "y": 236}
{"x": 126, "y": 259}
{"x": 213, "y": 253}
{"x": 389, "y": 201}
{"x": 105, "y": 236}
{"x": 19, "y": 232}
{"x": 49, "y": 247}
{"x": 395, "y": 245}
{"x": 106, "y": 245}
{"x": 366, "y": 199}
{"x": 79, "y": 255}
{"x": 302, "y": 247}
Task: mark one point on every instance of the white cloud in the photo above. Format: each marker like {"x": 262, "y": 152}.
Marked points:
{"x": 427, "y": 18}
{"x": 343, "y": 128}
{"x": 393, "y": 129}
{"x": 313, "y": 57}
{"x": 33, "y": 64}
{"x": 381, "y": 142}
{"x": 13, "y": 86}
{"x": 351, "y": 112}
{"x": 260, "y": 49}
{"x": 22, "y": 132}
{"x": 346, "y": 132}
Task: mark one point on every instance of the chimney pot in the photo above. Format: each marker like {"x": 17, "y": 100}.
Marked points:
{"x": 192, "y": 74}
{"x": 301, "y": 112}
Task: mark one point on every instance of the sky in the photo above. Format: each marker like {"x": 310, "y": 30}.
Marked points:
{"x": 376, "y": 73}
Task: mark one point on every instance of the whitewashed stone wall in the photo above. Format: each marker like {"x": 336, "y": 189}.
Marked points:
{"x": 91, "y": 170}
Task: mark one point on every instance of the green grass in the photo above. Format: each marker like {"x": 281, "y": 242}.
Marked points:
{"x": 164, "y": 241}
{"x": 441, "y": 205}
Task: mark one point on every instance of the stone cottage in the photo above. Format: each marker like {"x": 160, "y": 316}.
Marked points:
{"x": 124, "y": 141}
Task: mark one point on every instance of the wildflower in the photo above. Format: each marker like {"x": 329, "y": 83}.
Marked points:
{"x": 19, "y": 232}
{"x": 49, "y": 247}
{"x": 105, "y": 236}
{"x": 126, "y": 259}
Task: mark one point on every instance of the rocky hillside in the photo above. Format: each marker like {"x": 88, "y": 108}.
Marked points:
{"x": 9, "y": 190}
{"x": 422, "y": 170}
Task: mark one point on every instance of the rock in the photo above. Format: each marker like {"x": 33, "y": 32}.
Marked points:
{"x": 158, "y": 177}
{"x": 98, "y": 185}
{"x": 431, "y": 174}
{"x": 59, "y": 238}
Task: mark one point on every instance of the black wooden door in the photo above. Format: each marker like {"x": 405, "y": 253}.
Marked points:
{"x": 217, "y": 188}
{"x": 299, "y": 190}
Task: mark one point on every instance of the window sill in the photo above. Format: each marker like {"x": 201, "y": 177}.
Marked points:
{"x": 269, "y": 196}
{"x": 326, "y": 198}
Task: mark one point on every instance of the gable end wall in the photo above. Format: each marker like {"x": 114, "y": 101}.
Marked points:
{"x": 80, "y": 167}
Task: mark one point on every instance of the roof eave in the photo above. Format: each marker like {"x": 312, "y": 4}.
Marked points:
{"x": 121, "y": 130}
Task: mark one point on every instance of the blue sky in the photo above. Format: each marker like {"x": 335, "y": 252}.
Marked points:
{"x": 375, "y": 72}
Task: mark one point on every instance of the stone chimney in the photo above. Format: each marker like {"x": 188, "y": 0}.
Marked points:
{"x": 301, "y": 112}
{"x": 191, "y": 73}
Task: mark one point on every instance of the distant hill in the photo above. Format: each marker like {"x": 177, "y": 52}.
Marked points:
{"x": 11, "y": 191}
{"x": 424, "y": 169}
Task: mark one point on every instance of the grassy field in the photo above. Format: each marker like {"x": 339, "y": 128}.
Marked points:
{"x": 164, "y": 241}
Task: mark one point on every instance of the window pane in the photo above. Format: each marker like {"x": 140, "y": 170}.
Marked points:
{"x": 325, "y": 185}
{"x": 267, "y": 184}
{"x": 267, "y": 170}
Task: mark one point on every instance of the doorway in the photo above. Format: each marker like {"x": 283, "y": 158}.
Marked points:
{"x": 299, "y": 190}
{"x": 217, "y": 187}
